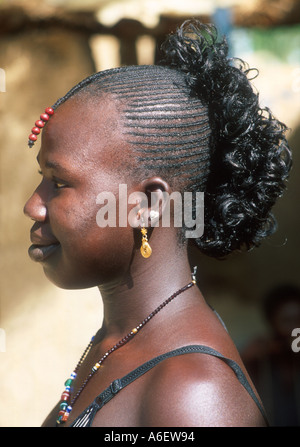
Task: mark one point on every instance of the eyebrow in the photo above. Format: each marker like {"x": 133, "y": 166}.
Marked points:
{"x": 52, "y": 165}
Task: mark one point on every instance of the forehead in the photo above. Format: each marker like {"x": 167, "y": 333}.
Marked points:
{"x": 88, "y": 131}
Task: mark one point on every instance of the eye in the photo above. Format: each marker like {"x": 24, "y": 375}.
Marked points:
{"x": 58, "y": 184}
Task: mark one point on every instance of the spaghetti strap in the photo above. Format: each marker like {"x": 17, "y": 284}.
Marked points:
{"x": 86, "y": 418}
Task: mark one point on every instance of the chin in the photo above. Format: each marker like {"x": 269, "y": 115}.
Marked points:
{"x": 69, "y": 283}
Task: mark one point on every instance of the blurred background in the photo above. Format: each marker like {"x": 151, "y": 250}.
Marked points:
{"x": 47, "y": 46}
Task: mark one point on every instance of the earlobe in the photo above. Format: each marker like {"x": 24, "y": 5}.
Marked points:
{"x": 157, "y": 192}
{"x": 150, "y": 200}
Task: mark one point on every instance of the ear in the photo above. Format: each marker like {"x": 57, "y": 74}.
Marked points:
{"x": 154, "y": 198}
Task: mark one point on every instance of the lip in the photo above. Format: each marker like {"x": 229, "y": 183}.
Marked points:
{"x": 42, "y": 246}
{"x": 39, "y": 253}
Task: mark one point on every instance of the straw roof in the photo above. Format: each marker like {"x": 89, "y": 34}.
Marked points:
{"x": 102, "y": 16}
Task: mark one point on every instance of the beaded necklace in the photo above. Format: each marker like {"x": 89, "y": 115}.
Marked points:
{"x": 66, "y": 403}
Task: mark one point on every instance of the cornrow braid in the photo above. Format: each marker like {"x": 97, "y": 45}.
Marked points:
{"x": 167, "y": 128}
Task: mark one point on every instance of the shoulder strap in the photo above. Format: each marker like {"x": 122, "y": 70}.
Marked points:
{"x": 85, "y": 419}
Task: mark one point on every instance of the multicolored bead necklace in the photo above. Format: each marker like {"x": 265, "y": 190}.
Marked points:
{"x": 66, "y": 405}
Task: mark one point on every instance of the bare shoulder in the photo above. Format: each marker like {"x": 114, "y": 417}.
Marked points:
{"x": 196, "y": 390}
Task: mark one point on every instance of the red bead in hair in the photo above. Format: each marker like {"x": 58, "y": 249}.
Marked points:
{"x": 39, "y": 124}
{"x": 44, "y": 116}
{"x": 49, "y": 111}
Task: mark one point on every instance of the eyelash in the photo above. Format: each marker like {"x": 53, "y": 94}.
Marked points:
{"x": 55, "y": 182}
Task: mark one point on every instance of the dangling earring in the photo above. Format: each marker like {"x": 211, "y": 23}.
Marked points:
{"x": 146, "y": 250}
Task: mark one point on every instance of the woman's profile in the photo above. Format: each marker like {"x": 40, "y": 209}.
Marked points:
{"x": 191, "y": 125}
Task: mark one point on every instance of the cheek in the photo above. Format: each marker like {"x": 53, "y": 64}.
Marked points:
{"x": 90, "y": 255}
{"x": 100, "y": 259}
{"x": 72, "y": 219}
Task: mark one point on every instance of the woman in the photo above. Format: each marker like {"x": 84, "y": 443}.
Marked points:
{"x": 192, "y": 124}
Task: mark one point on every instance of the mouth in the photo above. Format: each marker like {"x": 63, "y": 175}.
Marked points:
{"x": 39, "y": 253}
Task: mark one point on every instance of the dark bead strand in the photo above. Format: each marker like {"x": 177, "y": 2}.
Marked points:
{"x": 63, "y": 415}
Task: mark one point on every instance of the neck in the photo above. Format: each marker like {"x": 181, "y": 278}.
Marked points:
{"x": 135, "y": 295}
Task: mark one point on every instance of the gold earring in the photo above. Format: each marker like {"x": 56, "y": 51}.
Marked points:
{"x": 146, "y": 250}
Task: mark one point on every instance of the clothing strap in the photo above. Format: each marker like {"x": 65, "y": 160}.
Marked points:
{"x": 86, "y": 418}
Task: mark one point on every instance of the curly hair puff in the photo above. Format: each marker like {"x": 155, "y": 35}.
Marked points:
{"x": 250, "y": 157}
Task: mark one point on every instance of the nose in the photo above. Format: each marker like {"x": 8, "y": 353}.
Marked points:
{"x": 35, "y": 207}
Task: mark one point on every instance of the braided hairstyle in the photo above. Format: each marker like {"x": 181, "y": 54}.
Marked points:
{"x": 196, "y": 119}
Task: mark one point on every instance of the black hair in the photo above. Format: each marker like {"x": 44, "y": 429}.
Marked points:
{"x": 196, "y": 118}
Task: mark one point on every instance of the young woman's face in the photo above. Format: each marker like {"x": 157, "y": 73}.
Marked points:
{"x": 81, "y": 154}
